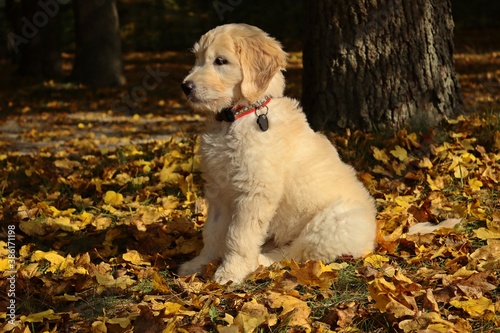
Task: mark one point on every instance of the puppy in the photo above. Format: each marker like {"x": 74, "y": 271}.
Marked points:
{"x": 275, "y": 189}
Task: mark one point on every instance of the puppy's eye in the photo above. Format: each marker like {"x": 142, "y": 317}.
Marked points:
{"x": 219, "y": 61}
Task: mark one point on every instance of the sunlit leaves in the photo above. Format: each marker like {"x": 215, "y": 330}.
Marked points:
{"x": 98, "y": 223}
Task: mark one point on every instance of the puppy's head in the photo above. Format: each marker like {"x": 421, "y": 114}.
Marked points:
{"x": 235, "y": 64}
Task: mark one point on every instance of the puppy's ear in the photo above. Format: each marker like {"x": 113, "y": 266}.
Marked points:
{"x": 261, "y": 57}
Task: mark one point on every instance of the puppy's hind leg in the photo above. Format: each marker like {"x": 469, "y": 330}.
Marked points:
{"x": 333, "y": 232}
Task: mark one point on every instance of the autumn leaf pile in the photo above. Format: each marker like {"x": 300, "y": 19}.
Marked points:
{"x": 105, "y": 212}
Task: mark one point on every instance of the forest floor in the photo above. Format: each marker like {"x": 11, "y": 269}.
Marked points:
{"x": 101, "y": 199}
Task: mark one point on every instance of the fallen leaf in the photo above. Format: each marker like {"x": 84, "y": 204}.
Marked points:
{"x": 477, "y": 308}
{"x": 134, "y": 257}
{"x": 39, "y": 317}
{"x": 251, "y": 316}
{"x": 295, "y": 308}
{"x": 377, "y": 261}
{"x": 113, "y": 198}
{"x": 160, "y": 284}
{"x": 314, "y": 273}
{"x": 400, "y": 153}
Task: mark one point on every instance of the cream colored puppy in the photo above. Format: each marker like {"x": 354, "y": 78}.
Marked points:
{"x": 275, "y": 188}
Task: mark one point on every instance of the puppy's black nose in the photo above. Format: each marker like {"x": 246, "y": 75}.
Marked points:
{"x": 187, "y": 87}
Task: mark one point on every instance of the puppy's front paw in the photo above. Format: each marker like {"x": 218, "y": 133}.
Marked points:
{"x": 222, "y": 276}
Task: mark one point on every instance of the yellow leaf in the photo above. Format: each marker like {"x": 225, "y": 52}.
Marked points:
{"x": 404, "y": 200}
{"x": 56, "y": 212}
{"x": 380, "y": 155}
{"x": 40, "y": 316}
{"x": 172, "y": 309}
{"x": 380, "y": 170}
{"x": 53, "y": 257}
{"x": 432, "y": 322}
{"x": 66, "y": 224}
{"x": 484, "y": 233}
{"x": 86, "y": 218}
{"x": 3, "y": 249}
{"x": 313, "y": 273}
{"x": 160, "y": 284}
{"x": 468, "y": 158}
{"x": 494, "y": 225}
{"x": 488, "y": 254}
{"x": 172, "y": 178}
{"x": 400, "y": 153}
{"x": 67, "y": 164}
{"x": 7, "y": 264}
{"x": 135, "y": 258}
{"x": 458, "y": 135}
{"x": 481, "y": 307}
{"x": 398, "y": 167}
{"x": 99, "y": 327}
{"x": 101, "y": 223}
{"x": 436, "y": 184}
{"x": 475, "y": 184}
{"x": 293, "y": 308}
{"x": 338, "y": 266}
{"x": 228, "y": 318}
{"x": 58, "y": 263}
{"x": 398, "y": 309}
{"x": 105, "y": 279}
{"x": 425, "y": 163}
{"x": 252, "y": 315}
{"x": 113, "y": 198}
{"x": 412, "y": 137}
{"x": 456, "y": 120}
{"x": 380, "y": 290}
{"x": 460, "y": 172}
{"x": 66, "y": 298}
{"x": 377, "y": 261}
{"x": 175, "y": 154}
{"x": 440, "y": 328}
{"x": 123, "y": 178}
{"x": 124, "y": 322}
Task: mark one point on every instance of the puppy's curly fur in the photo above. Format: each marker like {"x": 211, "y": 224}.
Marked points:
{"x": 278, "y": 194}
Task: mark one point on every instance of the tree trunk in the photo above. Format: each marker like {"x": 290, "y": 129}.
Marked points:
{"x": 34, "y": 40}
{"x": 379, "y": 64}
{"x": 98, "y": 57}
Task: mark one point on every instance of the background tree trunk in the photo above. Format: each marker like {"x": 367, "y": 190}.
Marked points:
{"x": 98, "y": 56}
{"x": 34, "y": 40}
{"x": 379, "y": 64}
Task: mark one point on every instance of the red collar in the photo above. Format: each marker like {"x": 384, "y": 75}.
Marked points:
{"x": 239, "y": 111}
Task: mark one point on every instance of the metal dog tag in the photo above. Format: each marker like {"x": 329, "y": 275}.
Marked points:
{"x": 263, "y": 122}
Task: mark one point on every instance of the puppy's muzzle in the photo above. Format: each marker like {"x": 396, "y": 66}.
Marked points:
{"x": 187, "y": 87}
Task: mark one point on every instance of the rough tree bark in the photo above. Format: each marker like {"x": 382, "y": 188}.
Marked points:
{"x": 98, "y": 57}
{"x": 379, "y": 64}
